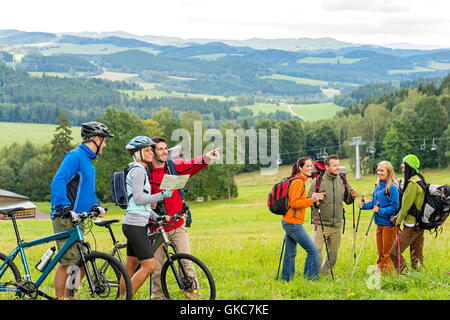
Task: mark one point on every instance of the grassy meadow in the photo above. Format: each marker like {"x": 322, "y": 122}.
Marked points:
{"x": 36, "y": 133}
{"x": 308, "y": 112}
{"x": 240, "y": 242}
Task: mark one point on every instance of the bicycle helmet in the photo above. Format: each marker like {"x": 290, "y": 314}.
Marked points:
{"x": 93, "y": 128}
{"x": 138, "y": 143}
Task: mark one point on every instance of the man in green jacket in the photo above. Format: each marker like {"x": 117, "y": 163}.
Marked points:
{"x": 412, "y": 201}
{"x": 331, "y": 210}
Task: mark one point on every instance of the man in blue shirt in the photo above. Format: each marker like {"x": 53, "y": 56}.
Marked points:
{"x": 73, "y": 189}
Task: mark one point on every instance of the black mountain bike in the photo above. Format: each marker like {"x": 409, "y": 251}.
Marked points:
{"x": 183, "y": 276}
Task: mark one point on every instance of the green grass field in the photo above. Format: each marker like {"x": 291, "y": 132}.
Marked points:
{"x": 240, "y": 242}
{"x": 297, "y": 80}
{"x": 36, "y": 133}
{"x": 308, "y": 112}
{"x": 153, "y": 93}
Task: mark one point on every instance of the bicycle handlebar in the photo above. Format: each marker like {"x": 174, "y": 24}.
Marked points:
{"x": 82, "y": 216}
{"x": 177, "y": 216}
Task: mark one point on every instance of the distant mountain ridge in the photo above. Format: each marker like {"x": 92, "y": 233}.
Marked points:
{"x": 17, "y": 37}
{"x": 289, "y": 44}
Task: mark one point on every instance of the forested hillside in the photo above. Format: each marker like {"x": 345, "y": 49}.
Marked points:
{"x": 40, "y": 99}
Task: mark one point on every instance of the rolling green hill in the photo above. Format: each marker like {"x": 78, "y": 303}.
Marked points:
{"x": 222, "y": 67}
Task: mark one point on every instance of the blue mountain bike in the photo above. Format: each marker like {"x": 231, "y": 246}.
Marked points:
{"x": 99, "y": 278}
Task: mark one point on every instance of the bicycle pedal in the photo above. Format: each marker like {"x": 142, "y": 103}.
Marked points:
{"x": 11, "y": 283}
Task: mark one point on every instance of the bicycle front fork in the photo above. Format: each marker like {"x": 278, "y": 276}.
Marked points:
{"x": 73, "y": 274}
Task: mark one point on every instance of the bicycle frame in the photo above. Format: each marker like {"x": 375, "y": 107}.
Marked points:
{"x": 158, "y": 238}
{"x": 164, "y": 239}
{"x": 73, "y": 236}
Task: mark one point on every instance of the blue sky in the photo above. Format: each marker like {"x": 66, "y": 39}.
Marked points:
{"x": 359, "y": 21}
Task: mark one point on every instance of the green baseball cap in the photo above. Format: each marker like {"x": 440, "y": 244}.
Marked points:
{"x": 412, "y": 161}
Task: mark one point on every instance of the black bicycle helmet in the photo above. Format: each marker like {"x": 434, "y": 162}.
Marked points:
{"x": 93, "y": 128}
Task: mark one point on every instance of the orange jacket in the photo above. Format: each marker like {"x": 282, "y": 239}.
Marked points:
{"x": 297, "y": 201}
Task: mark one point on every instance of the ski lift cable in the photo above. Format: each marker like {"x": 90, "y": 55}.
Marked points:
{"x": 344, "y": 144}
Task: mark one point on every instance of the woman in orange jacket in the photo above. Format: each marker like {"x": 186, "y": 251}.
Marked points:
{"x": 293, "y": 223}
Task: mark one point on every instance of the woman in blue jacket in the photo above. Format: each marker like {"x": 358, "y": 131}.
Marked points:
{"x": 385, "y": 204}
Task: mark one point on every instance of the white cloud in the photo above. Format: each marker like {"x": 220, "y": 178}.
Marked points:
{"x": 366, "y": 5}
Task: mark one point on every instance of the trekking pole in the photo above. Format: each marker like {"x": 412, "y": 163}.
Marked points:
{"x": 326, "y": 244}
{"x": 313, "y": 235}
{"x": 355, "y": 231}
{"x": 354, "y": 238}
{"x": 343, "y": 218}
{"x": 398, "y": 249}
{"x": 281, "y": 254}
{"x": 367, "y": 232}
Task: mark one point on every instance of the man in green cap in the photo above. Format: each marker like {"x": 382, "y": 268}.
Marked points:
{"x": 412, "y": 201}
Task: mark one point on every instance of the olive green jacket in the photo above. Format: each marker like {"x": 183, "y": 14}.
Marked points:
{"x": 331, "y": 207}
{"x": 414, "y": 194}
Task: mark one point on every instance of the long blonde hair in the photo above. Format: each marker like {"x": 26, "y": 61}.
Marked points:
{"x": 391, "y": 175}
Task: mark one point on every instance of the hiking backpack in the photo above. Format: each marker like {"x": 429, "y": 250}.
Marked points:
{"x": 188, "y": 214}
{"x": 277, "y": 200}
{"x": 436, "y": 207}
{"x": 119, "y": 188}
{"x": 319, "y": 170}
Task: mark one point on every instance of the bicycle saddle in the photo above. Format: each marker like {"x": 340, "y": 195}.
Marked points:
{"x": 106, "y": 222}
{"x": 10, "y": 212}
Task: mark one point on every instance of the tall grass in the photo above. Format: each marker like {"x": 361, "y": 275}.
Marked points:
{"x": 240, "y": 242}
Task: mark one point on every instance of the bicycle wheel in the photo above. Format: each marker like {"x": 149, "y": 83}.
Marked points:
{"x": 11, "y": 272}
{"x": 196, "y": 280}
{"x": 105, "y": 272}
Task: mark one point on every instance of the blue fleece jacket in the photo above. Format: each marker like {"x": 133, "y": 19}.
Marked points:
{"x": 74, "y": 183}
{"x": 389, "y": 203}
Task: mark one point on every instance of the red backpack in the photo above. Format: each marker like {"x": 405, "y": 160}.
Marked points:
{"x": 319, "y": 170}
{"x": 277, "y": 200}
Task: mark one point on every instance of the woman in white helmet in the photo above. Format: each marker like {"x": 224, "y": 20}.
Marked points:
{"x": 138, "y": 212}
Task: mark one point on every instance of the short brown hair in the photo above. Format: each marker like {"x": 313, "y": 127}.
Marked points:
{"x": 330, "y": 157}
{"x": 158, "y": 139}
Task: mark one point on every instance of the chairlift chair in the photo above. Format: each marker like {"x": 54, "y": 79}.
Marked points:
{"x": 433, "y": 145}
{"x": 371, "y": 148}
{"x": 319, "y": 155}
{"x": 423, "y": 147}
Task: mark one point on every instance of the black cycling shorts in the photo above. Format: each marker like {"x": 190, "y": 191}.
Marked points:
{"x": 138, "y": 243}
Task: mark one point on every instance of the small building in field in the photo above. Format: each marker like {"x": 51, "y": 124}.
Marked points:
{"x": 9, "y": 200}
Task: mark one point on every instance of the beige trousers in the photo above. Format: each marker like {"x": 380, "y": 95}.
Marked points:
{"x": 333, "y": 238}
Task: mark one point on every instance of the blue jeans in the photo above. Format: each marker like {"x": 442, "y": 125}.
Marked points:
{"x": 296, "y": 233}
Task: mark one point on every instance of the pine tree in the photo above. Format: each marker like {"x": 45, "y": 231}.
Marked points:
{"x": 61, "y": 144}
